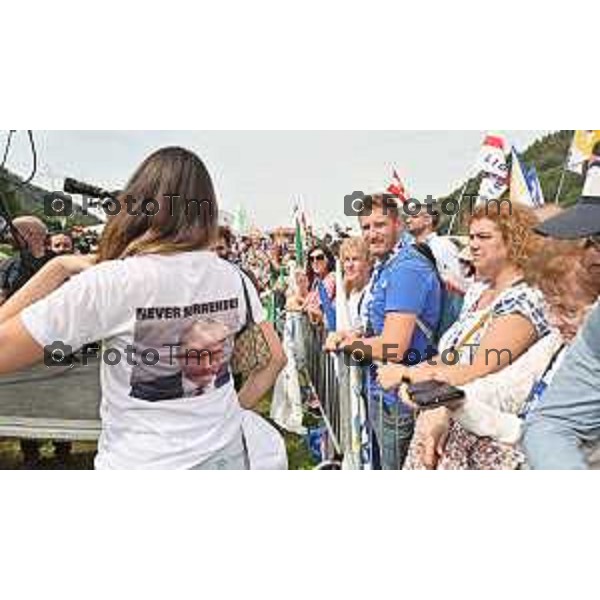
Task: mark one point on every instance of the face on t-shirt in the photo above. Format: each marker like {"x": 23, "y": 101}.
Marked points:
{"x": 196, "y": 347}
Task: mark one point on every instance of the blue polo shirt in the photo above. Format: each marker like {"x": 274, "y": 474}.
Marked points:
{"x": 405, "y": 283}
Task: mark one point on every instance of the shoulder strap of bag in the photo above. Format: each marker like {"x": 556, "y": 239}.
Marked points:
{"x": 424, "y": 249}
{"x": 474, "y": 329}
{"x": 484, "y": 318}
{"x": 249, "y": 314}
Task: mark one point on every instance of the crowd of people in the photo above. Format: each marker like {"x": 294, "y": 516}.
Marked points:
{"x": 509, "y": 321}
{"x": 526, "y": 283}
{"x": 42, "y": 245}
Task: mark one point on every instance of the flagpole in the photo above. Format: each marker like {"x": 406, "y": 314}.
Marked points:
{"x": 460, "y": 200}
{"x": 564, "y": 169}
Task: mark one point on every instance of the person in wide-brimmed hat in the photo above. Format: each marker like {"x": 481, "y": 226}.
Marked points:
{"x": 569, "y": 414}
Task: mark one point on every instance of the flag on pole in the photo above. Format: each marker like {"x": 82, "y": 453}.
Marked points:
{"x": 493, "y": 157}
{"x": 299, "y": 236}
{"x": 492, "y": 162}
{"x": 397, "y": 188}
{"x": 581, "y": 148}
{"x": 240, "y": 220}
{"x": 491, "y": 188}
{"x": 519, "y": 188}
{"x": 535, "y": 187}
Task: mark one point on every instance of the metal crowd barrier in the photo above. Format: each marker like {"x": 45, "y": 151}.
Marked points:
{"x": 337, "y": 386}
{"x": 352, "y": 440}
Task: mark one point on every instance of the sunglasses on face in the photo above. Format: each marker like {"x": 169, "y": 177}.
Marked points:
{"x": 317, "y": 257}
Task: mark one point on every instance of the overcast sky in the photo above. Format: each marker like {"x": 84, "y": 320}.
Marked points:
{"x": 265, "y": 171}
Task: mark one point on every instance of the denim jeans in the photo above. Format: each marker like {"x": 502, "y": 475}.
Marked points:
{"x": 569, "y": 414}
{"x": 391, "y": 434}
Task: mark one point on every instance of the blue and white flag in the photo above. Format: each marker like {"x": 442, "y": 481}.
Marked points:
{"x": 519, "y": 186}
{"x": 535, "y": 188}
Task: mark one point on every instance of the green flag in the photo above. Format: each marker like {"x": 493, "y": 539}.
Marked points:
{"x": 299, "y": 242}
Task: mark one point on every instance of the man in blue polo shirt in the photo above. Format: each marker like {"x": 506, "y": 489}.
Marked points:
{"x": 401, "y": 314}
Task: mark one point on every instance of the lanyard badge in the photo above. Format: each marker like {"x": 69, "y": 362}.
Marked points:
{"x": 535, "y": 397}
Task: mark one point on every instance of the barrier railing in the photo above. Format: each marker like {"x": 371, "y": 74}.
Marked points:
{"x": 345, "y": 396}
{"x": 337, "y": 387}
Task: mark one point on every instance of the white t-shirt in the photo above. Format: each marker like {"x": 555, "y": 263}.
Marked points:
{"x": 446, "y": 257}
{"x": 152, "y": 416}
{"x": 355, "y": 305}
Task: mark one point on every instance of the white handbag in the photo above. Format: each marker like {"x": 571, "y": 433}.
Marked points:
{"x": 264, "y": 444}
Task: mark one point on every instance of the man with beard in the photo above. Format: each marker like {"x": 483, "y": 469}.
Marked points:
{"x": 569, "y": 414}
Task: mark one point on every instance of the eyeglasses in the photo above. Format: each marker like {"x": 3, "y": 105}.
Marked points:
{"x": 317, "y": 257}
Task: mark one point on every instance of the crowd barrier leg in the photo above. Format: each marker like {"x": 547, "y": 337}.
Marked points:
{"x": 341, "y": 405}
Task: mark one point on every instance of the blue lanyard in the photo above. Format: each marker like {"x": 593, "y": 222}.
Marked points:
{"x": 540, "y": 386}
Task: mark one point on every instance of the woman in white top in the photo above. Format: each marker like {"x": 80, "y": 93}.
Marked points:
{"x": 495, "y": 405}
{"x": 356, "y": 267}
{"x": 165, "y": 405}
{"x": 356, "y": 271}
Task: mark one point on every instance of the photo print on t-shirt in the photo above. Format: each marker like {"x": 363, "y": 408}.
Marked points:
{"x": 183, "y": 352}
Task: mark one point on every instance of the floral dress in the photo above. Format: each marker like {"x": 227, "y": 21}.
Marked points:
{"x": 465, "y": 450}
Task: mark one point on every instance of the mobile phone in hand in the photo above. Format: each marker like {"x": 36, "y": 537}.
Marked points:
{"x": 428, "y": 395}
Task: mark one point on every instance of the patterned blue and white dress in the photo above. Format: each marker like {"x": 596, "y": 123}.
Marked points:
{"x": 472, "y": 325}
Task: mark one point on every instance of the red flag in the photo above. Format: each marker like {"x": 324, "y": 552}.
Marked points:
{"x": 495, "y": 141}
{"x": 396, "y": 188}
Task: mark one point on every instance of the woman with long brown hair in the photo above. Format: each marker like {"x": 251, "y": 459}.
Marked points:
{"x": 167, "y": 310}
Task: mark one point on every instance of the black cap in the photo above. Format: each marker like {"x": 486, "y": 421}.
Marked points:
{"x": 583, "y": 219}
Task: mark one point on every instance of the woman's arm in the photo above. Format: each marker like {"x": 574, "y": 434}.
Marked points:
{"x": 492, "y": 403}
{"x": 260, "y": 382}
{"x": 50, "y": 277}
{"x": 505, "y": 340}
{"x": 18, "y": 349}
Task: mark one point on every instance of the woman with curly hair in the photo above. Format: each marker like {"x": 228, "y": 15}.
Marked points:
{"x": 502, "y": 317}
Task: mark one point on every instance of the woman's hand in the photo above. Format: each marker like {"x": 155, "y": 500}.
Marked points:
{"x": 294, "y": 304}
{"x": 315, "y": 315}
{"x": 433, "y": 428}
{"x": 333, "y": 341}
{"x": 392, "y": 376}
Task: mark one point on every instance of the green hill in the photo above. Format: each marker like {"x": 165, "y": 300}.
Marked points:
{"x": 548, "y": 156}
{"x": 28, "y": 199}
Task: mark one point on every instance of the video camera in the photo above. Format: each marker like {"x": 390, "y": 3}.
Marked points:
{"x": 73, "y": 186}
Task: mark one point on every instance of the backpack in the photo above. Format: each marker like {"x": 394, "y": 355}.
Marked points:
{"x": 451, "y": 302}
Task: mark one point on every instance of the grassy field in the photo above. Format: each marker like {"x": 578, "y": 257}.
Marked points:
{"x": 82, "y": 456}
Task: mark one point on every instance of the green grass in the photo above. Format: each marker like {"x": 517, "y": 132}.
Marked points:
{"x": 82, "y": 456}
{"x": 299, "y": 458}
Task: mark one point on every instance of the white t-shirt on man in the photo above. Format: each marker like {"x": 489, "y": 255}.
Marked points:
{"x": 446, "y": 257}
{"x": 152, "y": 416}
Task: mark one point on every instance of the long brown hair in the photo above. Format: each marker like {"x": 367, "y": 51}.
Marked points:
{"x": 173, "y": 194}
